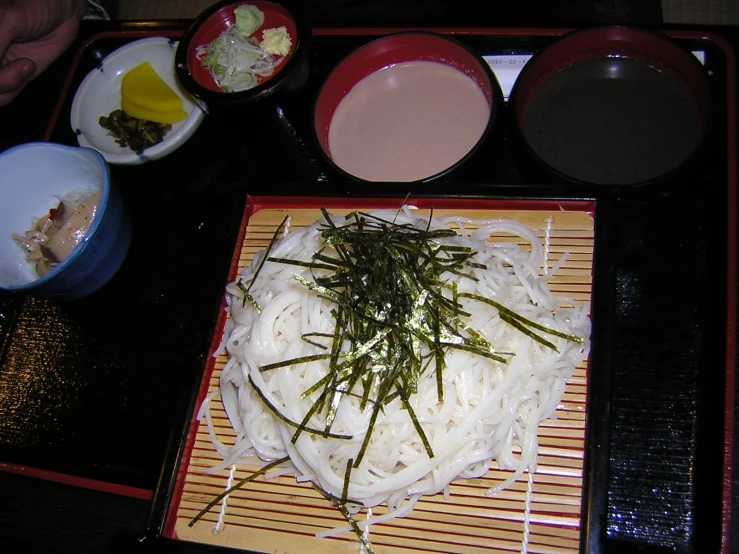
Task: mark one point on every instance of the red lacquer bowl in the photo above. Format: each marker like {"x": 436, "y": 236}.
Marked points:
{"x": 211, "y": 24}
{"x": 611, "y": 106}
{"x": 397, "y": 49}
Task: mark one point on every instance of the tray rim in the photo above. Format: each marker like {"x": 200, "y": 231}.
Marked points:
{"x": 592, "y": 527}
{"x": 176, "y": 29}
{"x": 731, "y": 291}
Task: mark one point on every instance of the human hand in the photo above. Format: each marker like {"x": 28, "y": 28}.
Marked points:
{"x": 33, "y": 33}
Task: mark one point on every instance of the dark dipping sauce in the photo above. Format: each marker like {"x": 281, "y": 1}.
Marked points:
{"x": 612, "y": 121}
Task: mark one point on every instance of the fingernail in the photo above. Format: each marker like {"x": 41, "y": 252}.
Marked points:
{"x": 27, "y": 71}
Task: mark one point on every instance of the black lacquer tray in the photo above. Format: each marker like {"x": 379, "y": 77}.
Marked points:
{"x": 103, "y": 390}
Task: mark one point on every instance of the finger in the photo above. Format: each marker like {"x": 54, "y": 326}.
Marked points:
{"x": 44, "y": 51}
{"x": 8, "y": 30}
{"x": 13, "y": 77}
{"x": 15, "y": 74}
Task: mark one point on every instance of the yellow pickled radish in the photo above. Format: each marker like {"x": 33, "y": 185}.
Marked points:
{"x": 143, "y": 112}
{"x": 144, "y": 87}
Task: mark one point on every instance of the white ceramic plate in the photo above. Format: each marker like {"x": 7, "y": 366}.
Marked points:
{"x": 100, "y": 93}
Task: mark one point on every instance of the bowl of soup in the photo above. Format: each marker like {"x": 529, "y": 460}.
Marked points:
{"x": 64, "y": 230}
{"x": 610, "y": 106}
{"x": 406, "y": 107}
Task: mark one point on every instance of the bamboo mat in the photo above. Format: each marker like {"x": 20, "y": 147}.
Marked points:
{"x": 539, "y": 513}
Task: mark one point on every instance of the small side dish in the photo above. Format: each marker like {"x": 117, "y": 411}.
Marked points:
{"x": 152, "y": 86}
{"x": 236, "y": 58}
{"x": 53, "y": 237}
{"x": 131, "y": 132}
{"x": 149, "y": 107}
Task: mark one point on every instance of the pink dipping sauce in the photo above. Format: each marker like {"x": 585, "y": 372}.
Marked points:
{"x": 407, "y": 122}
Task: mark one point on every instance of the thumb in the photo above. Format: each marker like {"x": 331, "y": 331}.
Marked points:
{"x": 13, "y": 77}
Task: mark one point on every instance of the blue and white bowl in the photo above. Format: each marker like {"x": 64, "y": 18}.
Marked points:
{"x": 32, "y": 178}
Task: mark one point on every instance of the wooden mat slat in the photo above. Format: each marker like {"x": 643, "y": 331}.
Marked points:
{"x": 281, "y": 513}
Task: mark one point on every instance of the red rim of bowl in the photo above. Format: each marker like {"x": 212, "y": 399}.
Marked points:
{"x": 214, "y": 21}
{"x": 651, "y": 48}
{"x": 398, "y": 48}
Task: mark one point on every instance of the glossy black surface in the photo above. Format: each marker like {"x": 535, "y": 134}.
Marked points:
{"x": 65, "y": 519}
{"x": 94, "y": 388}
{"x": 132, "y": 343}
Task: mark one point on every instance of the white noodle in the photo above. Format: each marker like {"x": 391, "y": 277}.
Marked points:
{"x": 490, "y": 410}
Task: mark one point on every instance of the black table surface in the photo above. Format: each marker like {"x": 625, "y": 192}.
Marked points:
{"x": 42, "y": 516}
